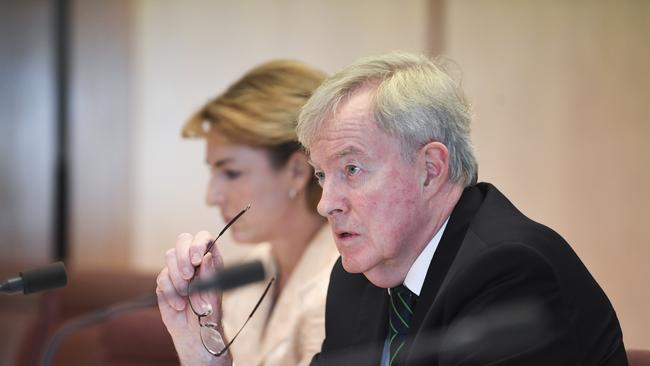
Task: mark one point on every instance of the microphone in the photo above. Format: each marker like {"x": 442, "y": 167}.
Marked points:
{"x": 231, "y": 277}
{"x": 38, "y": 279}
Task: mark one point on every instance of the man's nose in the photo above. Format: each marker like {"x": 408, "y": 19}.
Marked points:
{"x": 332, "y": 201}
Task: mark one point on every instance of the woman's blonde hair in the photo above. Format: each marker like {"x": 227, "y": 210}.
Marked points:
{"x": 261, "y": 110}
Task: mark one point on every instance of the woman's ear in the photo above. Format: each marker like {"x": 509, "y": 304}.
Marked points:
{"x": 299, "y": 170}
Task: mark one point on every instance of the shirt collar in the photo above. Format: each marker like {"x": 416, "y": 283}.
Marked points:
{"x": 415, "y": 277}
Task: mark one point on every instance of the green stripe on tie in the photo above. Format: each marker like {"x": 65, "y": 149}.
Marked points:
{"x": 400, "y": 313}
{"x": 397, "y": 313}
{"x": 405, "y": 304}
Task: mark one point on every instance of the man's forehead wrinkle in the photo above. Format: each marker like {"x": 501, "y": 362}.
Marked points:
{"x": 333, "y": 148}
{"x": 350, "y": 115}
{"x": 342, "y": 138}
{"x": 347, "y": 140}
{"x": 349, "y": 150}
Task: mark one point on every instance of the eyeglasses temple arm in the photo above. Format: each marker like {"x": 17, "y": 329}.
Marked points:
{"x": 226, "y": 228}
{"x": 249, "y": 318}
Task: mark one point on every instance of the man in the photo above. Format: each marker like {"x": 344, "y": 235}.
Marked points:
{"x": 472, "y": 280}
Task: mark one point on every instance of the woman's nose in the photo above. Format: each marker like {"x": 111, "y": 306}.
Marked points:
{"x": 215, "y": 194}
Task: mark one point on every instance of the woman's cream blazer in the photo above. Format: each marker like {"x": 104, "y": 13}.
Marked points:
{"x": 291, "y": 332}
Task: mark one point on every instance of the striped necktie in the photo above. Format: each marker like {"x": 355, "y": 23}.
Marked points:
{"x": 400, "y": 312}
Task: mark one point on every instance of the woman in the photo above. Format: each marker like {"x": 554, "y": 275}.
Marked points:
{"x": 255, "y": 158}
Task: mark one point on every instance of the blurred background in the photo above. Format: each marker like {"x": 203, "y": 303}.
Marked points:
{"x": 93, "y": 94}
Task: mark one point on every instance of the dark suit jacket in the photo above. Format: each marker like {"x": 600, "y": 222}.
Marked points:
{"x": 500, "y": 290}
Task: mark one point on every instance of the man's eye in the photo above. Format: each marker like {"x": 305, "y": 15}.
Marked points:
{"x": 352, "y": 169}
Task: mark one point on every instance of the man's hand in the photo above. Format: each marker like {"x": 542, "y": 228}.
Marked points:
{"x": 177, "y": 314}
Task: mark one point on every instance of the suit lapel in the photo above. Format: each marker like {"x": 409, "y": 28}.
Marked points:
{"x": 373, "y": 315}
{"x": 372, "y": 326}
{"x": 446, "y": 254}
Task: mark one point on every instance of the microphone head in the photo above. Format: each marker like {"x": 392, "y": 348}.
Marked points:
{"x": 231, "y": 277}
{"x": 47, "y": 277}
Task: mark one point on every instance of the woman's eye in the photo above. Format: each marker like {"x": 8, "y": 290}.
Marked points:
{"x": 352, "y": 169}
{"x": 232, "y": 174}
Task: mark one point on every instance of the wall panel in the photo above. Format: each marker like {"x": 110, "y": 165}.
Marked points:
{"x": 561, "y": 93}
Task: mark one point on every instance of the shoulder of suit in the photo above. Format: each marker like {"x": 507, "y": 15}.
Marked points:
{"x": 499, "y": 221}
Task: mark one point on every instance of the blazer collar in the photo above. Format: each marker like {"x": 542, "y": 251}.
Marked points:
{"x": 315, "y": 263}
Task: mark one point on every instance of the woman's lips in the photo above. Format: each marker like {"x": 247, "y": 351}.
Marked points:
{"x": 346, "y": 235}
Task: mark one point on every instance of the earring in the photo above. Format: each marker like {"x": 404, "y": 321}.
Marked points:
{"x": 292, "y": 193}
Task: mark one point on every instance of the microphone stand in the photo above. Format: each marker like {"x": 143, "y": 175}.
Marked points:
{"x": 91, "y": 318}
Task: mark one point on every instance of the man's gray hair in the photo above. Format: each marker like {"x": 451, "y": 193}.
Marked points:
{"x": 415, "y": 100}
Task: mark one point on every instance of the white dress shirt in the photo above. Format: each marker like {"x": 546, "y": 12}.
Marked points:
{"x": 417, "y": 273}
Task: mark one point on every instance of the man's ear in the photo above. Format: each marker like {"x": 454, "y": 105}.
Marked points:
{"x": 435, "y": 158}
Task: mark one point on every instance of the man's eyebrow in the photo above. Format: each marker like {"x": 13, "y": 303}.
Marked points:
{"x": 350, "y": 150}
{"x": 220, "y": 163}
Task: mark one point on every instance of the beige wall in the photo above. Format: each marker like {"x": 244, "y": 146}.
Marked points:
{"x": 561, "y": 96}
{"x": 186, "y": 52}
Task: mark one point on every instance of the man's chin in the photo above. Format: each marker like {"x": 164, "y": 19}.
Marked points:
{"x": 373, "y": 273}
{"x": 351, "y": 266}
{"x": 382, "y": 277}
{"x": 382, "y": 281}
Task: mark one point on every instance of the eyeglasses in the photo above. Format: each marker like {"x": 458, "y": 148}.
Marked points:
{"x": 209, "y": 331}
